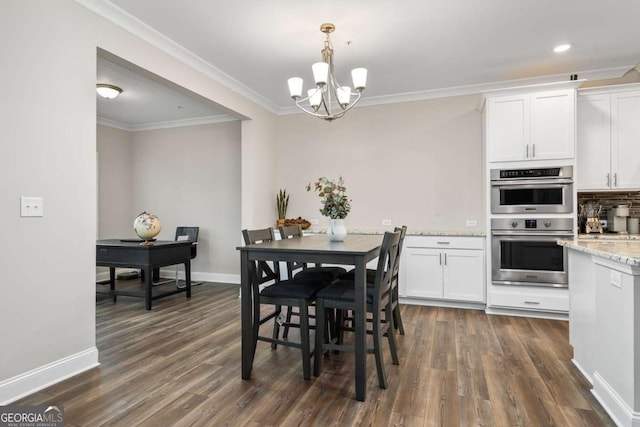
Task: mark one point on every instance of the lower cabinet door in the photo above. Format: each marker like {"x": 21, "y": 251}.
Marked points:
{"x": 464, "y": 275}
{"x": 423, "y": 272}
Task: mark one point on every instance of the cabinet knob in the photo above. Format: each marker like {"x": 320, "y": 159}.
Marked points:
{"x": 547, "y": 224}
{"x": 514, "y": 224}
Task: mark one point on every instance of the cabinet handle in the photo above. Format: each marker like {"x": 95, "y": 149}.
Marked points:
{"x": 444, "y": 243}
{"x": 532, "y": 302}
{"x": 615, "y": 179}
{"x": 440, "y": 258}
{"x": 533, "y": 150}
{"x": 608, "y": 180}
{"x": 445, "y": 259}
{"x": 527, "y": 156}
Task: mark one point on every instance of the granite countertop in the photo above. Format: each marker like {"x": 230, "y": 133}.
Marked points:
{"x": 608, "y": 236}
{"x": 410, "y": 232}
{"x": 624, "y": 251}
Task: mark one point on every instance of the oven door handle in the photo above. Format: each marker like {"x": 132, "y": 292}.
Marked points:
{"x": 534, "y": 234}
{"x": 533, "y": 183}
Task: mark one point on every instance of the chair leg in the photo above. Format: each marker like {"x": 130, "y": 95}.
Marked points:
{"x": 304, "y": 338}
{"x": 377, "y": 350}
{"x": 391, "y": 334}
{"x": 285, "y": 333}
{"x": 321, "y": 322}
{"x": 397, "y": 319}
{"x": 276, "y": 326}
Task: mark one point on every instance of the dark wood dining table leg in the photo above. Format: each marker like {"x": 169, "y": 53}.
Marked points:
{"x": 246, "y": 314}
{"x": 112, "y": 282}
{"x": 187, "y": 276}
{"x": 148, "y": 284}
{"x": 361, "y": 330}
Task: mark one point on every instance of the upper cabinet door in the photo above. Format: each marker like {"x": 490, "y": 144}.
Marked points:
{"x": 531, "y": 126}
{"x": 625, "y": 139}
{"x": 552, "y": 134}
{"x": 594, "y": 142}
{"x": 507, "y": 128}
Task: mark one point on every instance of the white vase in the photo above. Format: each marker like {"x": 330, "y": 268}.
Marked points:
{"x": 337, "y": 230}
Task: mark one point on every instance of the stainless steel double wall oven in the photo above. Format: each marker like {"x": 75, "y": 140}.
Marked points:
{"x": 524, "y": 249}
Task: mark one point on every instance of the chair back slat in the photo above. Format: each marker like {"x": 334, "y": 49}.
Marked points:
{"x": 261, "y": 270}
{"x": 292, "y": 232}
{"x": 386, "y": 265}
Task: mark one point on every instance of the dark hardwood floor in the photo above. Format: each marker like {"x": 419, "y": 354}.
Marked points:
{"x": 179, "y": 365}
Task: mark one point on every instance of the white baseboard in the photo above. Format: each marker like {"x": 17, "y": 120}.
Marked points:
{"x": 527, "y": 313}
{"x": 25, "y": 384}
{"x": 196, "y": 276}
{"x": 442, "y": 303}
{"x": 616, "y": 407}
{"x": 582, "y": 371}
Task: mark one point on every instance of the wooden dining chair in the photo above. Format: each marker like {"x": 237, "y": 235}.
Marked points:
{"x": 325, "y": 274}
{"x": 341, "y": 296}
{"x": 278, "y": 292}
{"x": 371, "y": 274}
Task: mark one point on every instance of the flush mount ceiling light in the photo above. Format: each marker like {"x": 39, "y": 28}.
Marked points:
{"x": 108, "y": 91}
{"x": 562, "y": 48}
{"x": 328, "y": 92}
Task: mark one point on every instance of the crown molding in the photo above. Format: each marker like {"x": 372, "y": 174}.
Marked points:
{"x": 128, "y": 22}
{"x": 133, "y": 25}
{"x": 167, "y": 124}
{"x": 477, "y": 89}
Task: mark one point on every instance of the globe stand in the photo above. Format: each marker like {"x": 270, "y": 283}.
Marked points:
{"x": 146, "y": 243}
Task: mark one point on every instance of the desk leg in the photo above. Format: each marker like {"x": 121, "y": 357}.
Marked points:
{"x": 248, "y": 347}
{"x": 187, "y": 276}
{"x": 148, "y": 284}
{"x": 112, "y": 282}
{"x": 361, "y": 330}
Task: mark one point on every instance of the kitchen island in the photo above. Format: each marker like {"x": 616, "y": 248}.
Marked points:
{"x": 604, "y": 322}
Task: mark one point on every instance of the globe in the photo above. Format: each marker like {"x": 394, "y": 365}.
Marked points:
{"x": 147, "y": 226}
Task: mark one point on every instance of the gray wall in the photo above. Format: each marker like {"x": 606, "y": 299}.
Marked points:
{"x": 186, "y": 176}
{"x": 415, "y": 163}
{"x": 47, "y": 308}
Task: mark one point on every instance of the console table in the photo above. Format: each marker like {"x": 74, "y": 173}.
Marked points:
{"x": 114, "y": 253}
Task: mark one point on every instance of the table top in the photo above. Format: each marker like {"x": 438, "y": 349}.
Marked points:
{"x": 352, "y": 244}
{"x": 120, "y": 243}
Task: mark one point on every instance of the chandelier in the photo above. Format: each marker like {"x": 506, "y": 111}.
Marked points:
{"x": 328, "y": 100}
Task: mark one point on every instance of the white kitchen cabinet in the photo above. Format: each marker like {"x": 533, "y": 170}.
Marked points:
{"x": 531, "y": 126}
{"x": 444, "y": 268}
{"x": 609, "y": 138}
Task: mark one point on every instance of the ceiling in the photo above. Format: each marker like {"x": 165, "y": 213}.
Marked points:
{"x": 412, "y": 48}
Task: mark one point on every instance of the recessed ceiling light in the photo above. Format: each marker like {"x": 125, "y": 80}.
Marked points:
{"x": 562, "y": 48}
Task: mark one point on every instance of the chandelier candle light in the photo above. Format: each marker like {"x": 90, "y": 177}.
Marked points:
{"x": 328, "y": 90}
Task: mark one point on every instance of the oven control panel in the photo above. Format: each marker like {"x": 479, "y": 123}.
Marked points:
{"x": 540, "y": 224}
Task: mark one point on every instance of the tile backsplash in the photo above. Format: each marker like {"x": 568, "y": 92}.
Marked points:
{"x": 608, "y": 199}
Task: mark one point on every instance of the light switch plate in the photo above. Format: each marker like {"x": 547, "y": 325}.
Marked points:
{"x": 313, "y": 221}
{"x": 31, "y": 206}
{"x": 386, "y": 222}
{"x": 472, "y": 223}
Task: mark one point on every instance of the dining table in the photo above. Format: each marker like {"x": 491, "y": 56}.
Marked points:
{"x": 355, "y": 250}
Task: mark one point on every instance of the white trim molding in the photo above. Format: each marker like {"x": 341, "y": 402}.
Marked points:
{"x": 170, "y": 273}
{"x": 616, "y": 407}
{"x": 195, "y": 121}
{"x": 37, "y": 379}
{"x": 130, "y": 23}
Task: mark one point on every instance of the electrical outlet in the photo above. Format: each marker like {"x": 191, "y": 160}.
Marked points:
{"x": 386, "y": 222}
{"x": 616, "y": 278}
{"x": 472, "y": 223}
{"x": 31, "y": 206}
{"x": 314, "y": 221}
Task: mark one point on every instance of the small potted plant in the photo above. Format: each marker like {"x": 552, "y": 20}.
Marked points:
{"x": 335, "y": 205}
{"x": 282, "y": 202}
